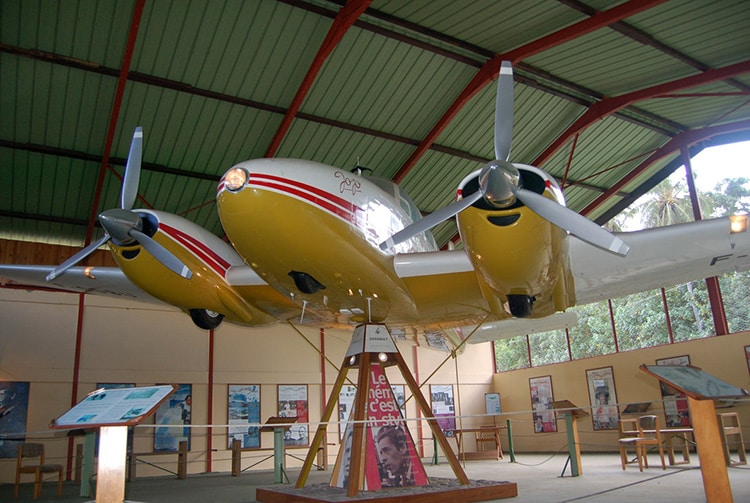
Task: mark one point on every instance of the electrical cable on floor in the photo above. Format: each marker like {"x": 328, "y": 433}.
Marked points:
{"x": 561, "y": 449}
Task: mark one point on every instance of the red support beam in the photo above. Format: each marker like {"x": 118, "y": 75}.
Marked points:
{"x": 210, "y": 402}
{"x": 716, "y": 301}
{"x": 127, "y": 58}
{"x": 608, "y": 106}
{"x": 489, "y": 70}
{"x": 687, "y": 138}
{"x": 346, "y": 17}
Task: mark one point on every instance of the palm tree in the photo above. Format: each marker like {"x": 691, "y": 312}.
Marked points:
{"x": 668, "y": 204}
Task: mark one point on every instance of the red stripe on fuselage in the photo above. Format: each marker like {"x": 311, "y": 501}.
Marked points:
{"x": 198, "y": 248}
{"x": 314, "y": 195}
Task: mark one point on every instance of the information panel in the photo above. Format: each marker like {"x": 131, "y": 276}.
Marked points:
{"x": 114, "y": 407}
{"x": 694, "y": 382}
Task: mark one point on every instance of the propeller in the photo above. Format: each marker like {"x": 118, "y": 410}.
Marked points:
{"x": 124, "y": 226}
{"x": 500, "y": 185}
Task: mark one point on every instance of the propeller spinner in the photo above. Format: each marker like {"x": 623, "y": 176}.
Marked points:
{"x": 124, "y": 226}
{"x": 500, "y": 185}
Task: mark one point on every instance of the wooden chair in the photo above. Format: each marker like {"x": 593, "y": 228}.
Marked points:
{"x": 30, "y": 450}
{"x": 648, "y": 435}
{"x": 491, "y": 435}
{"x": 640, "y": 434}
{"x": 731, "y": 433}
{"x": 628, "y": 428}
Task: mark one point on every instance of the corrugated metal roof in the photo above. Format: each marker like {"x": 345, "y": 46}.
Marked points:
{"x": 210, "y": 82}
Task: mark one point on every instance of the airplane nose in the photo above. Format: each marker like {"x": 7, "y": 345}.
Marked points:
{"x": 118, "y": 223}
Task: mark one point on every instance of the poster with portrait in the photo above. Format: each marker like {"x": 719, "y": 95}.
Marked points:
{"x": 391, "y": 459}
{"x": 244, "y": 415}
{"x": 676, "y": 409}
{"x": 14, "y": 405}
{"x": 604, "y": 413}
{"x": 173, "y": 419}
{"x": 543, "y": 413}
{"x": 293, "y": 403}
{"x": 443, "y": 407}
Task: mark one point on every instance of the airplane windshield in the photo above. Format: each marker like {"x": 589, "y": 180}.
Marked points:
{"x": 404, "y": 201}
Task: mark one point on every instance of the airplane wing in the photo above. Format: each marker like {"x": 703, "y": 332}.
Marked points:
{"x": 110, "y": 281}
{"x": 659, "y": 257}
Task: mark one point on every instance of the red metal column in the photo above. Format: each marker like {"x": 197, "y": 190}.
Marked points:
{"x": 210, "y": 402}
{"x": 714, "y": 292}
{"x": 75, "y": 378}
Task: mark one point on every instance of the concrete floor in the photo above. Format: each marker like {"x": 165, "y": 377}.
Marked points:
{"x": 537, "y": 475}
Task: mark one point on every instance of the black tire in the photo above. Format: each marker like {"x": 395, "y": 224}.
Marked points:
{"x": 520, "y": 305}
{"x": 205, "y": 319}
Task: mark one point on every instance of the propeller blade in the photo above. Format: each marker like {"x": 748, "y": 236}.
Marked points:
{"x": 132, "y": 171}
{"x": 504, "y": 112}
{"x": 77, "y": 257}
{"x": 161, "y": 254}
{"x": 430, "y": 221}
{"x": 573, "y": 222}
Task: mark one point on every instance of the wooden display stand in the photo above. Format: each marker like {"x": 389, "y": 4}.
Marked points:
{"x": 278, "y": 425}
{"x": 571, "y": 412}
{"x": 372, "y": 345}
{"x": 112, "y": 411}
{"x": 702, "y": 389}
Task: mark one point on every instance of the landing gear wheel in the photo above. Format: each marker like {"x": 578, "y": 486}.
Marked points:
{"x": 520, "y": 305}
{"x": 205, "y": 319}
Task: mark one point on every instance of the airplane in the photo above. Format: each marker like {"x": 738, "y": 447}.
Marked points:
{"x": 317, "y": 245}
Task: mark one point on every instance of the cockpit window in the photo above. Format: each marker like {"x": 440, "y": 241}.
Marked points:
{"x": 404, "y": 201}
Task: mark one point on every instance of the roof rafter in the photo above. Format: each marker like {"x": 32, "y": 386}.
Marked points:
{"x": 489, "y": 70}
{"x": 346, "y": 17}
{"x": 114, "y": 116}
{"x": 608, "y": 106}
{"x": 682, "y": 140}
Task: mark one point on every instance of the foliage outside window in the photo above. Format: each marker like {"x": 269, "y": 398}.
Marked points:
{"x": 690, "y": 311}
{"x": 640, "y": 319}
{"x": 593, "y": 335}
{"x": 735, "y": 290}
{"x": 511, "y": 354}
{"x": 549, "y": 347}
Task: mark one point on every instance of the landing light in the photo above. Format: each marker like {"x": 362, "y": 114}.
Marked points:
{"x": 235, "y": 179}
{"x": 737, "y": 223}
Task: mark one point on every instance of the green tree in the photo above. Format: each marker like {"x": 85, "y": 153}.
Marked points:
{"x": 548, "y": 347}
{"x": 593, "y": 335}
{"x": 668, "y": 204}
{"x": 511, "y": 353}
{"x": 731, "y": 196}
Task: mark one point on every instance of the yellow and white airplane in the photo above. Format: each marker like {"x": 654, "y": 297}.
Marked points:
{"x": 314, "y": 244}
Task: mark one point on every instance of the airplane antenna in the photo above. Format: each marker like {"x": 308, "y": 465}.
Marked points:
{"x": 359, "y": 169}
{"x": 304, "y": 306}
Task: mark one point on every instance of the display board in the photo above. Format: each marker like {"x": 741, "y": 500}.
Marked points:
{"x": 694, "y": 382}
{"x": 114, "y": 407}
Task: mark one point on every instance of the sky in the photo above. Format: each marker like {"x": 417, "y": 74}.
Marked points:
{"x": 714, "y": 164}
{"x": 710, "y": 167}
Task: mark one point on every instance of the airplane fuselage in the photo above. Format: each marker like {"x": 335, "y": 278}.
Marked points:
{"x": 312, "y": 232}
